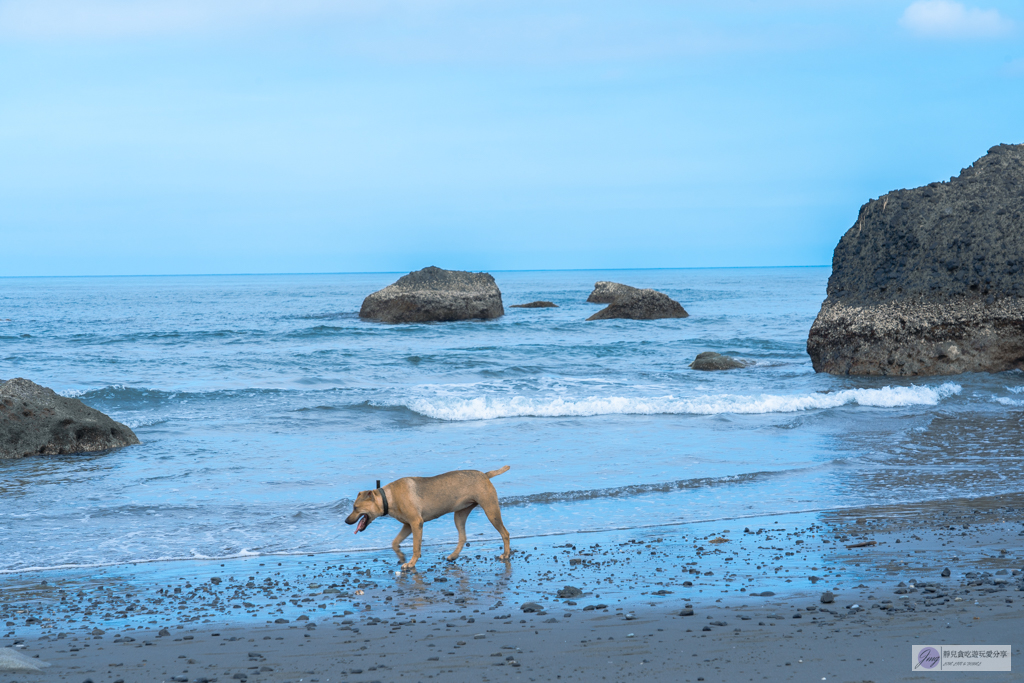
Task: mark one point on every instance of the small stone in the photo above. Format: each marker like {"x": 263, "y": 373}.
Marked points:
{"x": 946, "y": 573}
{"x": 535, "y": 304}
{"x": 709, "y": 360}
{"x": 531, "y": 607}
{"x": 570, "y": 592}
{"x": 280, "y": 621}
{"x": 828, "y": 597}
{"x": 164, "y": 632}
{"x": 686, "y": 612}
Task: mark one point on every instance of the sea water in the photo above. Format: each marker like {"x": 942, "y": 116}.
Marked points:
{"x": 264, "y": 404}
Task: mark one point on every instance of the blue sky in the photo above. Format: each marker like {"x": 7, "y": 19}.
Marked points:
{"x": 231, "y": 136}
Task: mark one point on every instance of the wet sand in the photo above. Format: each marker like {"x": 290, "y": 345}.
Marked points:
{"x": 754, "y": 587}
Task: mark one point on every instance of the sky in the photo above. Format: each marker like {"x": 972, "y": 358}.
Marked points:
{"x": 291, "y": 136}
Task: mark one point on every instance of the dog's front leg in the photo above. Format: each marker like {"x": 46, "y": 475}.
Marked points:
{"x": 402, "y": 535}
{"x": 417, "y": 539}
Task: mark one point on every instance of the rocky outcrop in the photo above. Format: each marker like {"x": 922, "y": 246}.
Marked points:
{"x": 435, "y": 295}
{"x": 633, "y": 304}
{"x": 606, "y": 292}
{"x": 35, "y": 420}
{"x": 536, "y": 304}
{"x": 709, "y": 360}
{"x": 930, "y": 281}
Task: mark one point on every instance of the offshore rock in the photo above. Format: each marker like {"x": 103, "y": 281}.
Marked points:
{"x": 35, "y": 420}
{"x": 536, "y": 304}
{"x": 639, "y": 304}
{"x": 606, "y": 292}
{"x": 930, "y": 281}
{"x": 435, "y": 295}
{"x": 709, "y": 360}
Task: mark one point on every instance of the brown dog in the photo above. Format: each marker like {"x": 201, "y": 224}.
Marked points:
{"x": 415, "y": 500}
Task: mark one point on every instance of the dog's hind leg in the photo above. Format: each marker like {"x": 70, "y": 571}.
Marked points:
{"x": 402, "y": 535}
{"x": 460, "y": 523}
{"x": 493, "y": 513}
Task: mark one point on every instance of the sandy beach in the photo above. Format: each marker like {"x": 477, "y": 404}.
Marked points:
{"x": 754, "y": 587}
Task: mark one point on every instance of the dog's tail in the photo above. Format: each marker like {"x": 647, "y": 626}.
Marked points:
{"x": 493, "y": 473}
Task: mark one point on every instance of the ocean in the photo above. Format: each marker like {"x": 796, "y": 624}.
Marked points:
{"x": 264, "y": 404}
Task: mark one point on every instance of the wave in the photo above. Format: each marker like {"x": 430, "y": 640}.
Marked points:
{"x": 639, "y": 489}
{"x": 491, "y": 407}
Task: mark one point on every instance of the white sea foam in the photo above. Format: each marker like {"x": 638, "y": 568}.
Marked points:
{"x": 1013, "y": 403}
{"x": 494, "y": 407}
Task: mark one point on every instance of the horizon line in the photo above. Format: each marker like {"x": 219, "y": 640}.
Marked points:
{"x": 392, "y": 272}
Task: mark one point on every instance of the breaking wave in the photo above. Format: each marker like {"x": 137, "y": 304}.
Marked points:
{"x": 491, "y": 407}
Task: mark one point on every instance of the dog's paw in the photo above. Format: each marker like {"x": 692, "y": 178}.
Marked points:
{"x": 409, "y": 565}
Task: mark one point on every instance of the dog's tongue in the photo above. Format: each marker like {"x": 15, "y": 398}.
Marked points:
{"x": 361, "y": 523}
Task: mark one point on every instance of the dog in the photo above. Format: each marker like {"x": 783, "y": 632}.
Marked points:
{"x": 415, "y": 500}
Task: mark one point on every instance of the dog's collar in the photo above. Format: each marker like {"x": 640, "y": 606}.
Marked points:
{"x": 384, "y": 498}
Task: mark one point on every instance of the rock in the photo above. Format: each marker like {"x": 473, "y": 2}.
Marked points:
{"x": 35, "y": 420}
{"x": 14, "y": 661}
{"x": 97, "y": 632}
{"x": 435, "y": 295}
{"x": 709, "y": 360}
{"x": 163, "y": 632}
{"x": 641, "y": 304}
{"x": 686, "y": 612}
{"x": 945, "y": 573}
{"x": 606, "y": 292}
{"x": 570, "y": 592}
{"x": 531, "y": 607}
{"x": 827, "y": 598}
{"x": 536, "y": 304}
{"x": 929, "y": 281}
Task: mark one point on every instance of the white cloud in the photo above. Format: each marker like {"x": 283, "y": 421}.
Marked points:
{"x": 947, "y": 19}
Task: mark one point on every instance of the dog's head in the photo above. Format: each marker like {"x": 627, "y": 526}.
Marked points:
{"x": 366, "y": 508}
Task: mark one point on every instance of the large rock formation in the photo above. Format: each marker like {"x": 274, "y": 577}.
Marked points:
{"x": 929, "y": 281}
{"x": 633, "y": 304}
{"x": 36, "y": 421}
{"x": 435, "y": 295}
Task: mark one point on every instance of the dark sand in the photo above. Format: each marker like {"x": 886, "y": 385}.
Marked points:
{"x": 352, "y": 618}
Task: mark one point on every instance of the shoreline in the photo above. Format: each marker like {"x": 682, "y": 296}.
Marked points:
{"x": 639, "y": 575}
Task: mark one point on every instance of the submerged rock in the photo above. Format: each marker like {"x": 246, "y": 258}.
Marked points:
{"x": 930, "y": 281}
{"x": 35, "y": 420}
{"x": 606, "y": 292}
{"x": 536, "y": 304}
{"x": 709, "y": 360}
{"x": 435, "y": 295}
{"x": 639, "y": 304}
